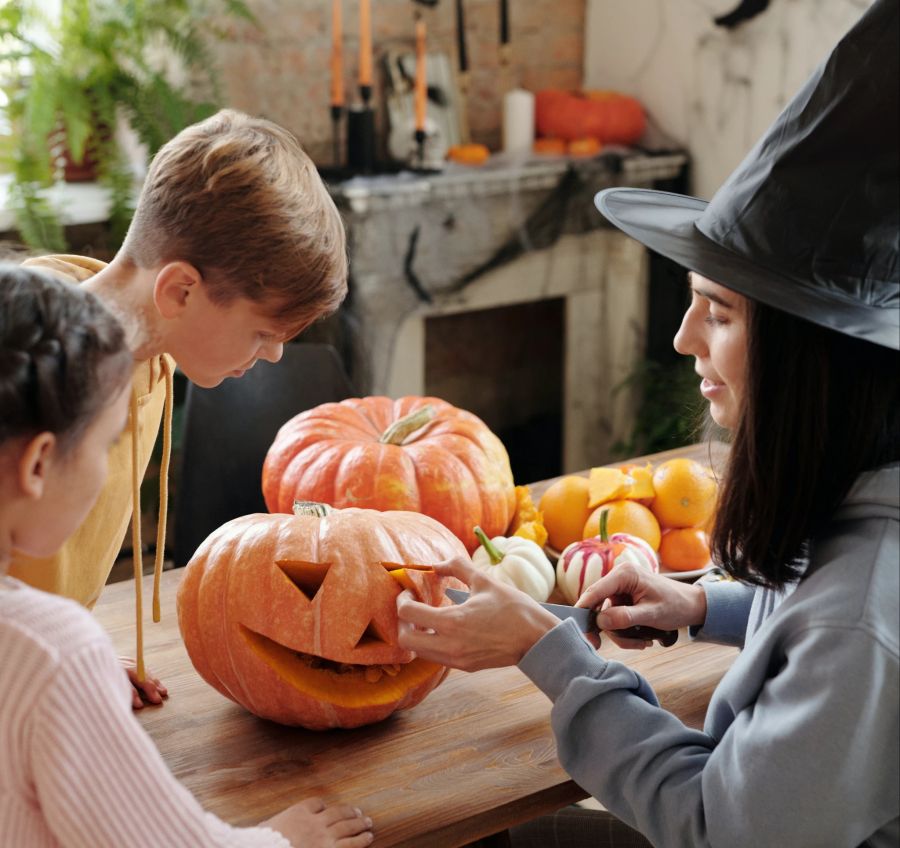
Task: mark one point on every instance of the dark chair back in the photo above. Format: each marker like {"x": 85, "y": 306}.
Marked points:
{"x": 228, "y": 430}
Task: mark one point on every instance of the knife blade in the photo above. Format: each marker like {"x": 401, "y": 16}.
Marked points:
{"x": 585, "y": 618}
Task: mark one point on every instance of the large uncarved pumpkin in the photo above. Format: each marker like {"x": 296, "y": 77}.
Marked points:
{"x": 415, "y": 454}
{"x": 294, "y": 616}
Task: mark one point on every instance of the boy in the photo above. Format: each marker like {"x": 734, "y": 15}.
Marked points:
{"x": 235, "y": 247}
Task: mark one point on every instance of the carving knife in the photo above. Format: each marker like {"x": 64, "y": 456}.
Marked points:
{"x": 585, "y": 619}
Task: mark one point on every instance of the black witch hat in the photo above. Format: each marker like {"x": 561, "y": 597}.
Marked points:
{"x": 809, "y": 223}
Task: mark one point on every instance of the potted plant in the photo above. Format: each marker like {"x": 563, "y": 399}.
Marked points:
{"x": 69, "y": 78}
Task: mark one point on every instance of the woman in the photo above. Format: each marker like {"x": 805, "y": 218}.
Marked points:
{"x": 76, "y": 769}
{"x": 793, "y": 325}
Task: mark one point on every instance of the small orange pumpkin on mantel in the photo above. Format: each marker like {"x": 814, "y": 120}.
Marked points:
{"x": 417, "y": 454}
{"x": 294, "y": 616}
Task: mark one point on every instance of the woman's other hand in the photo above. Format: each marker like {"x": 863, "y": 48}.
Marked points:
{"x": 495, "y": 627}
{"x": 313, "y": 824}
{"x": 630, "y": 596}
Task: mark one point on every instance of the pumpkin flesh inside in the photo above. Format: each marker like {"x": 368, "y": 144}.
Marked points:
{"x": 341, "y": 684}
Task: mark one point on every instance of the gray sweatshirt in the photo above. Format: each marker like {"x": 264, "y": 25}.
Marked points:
{"x": 801, "y": 743}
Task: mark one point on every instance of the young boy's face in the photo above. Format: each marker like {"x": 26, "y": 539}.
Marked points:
{"x": 210, "y": 341}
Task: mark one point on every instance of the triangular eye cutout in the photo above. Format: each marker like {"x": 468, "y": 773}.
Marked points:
{"x": 306, "y": 576}
{"x": 373, "y": 636}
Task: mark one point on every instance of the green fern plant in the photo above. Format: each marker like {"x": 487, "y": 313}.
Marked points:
{"x": 67, "y": 80}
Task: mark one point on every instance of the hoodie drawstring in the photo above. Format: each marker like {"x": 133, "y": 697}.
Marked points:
{"x": 163, "y": 486}
{"x": 137, "y": 553}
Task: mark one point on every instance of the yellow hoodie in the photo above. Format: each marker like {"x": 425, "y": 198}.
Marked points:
{"x": 80, "y": 569}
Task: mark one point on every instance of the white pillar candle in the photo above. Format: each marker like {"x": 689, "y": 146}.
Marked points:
{"x": 518, "y": 121}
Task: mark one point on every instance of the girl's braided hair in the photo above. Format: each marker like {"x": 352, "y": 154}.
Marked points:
{"x": 62, "y": 356}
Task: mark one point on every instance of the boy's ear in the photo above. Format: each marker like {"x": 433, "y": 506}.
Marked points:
{"x": 175, "y": 284}
{"x": 35, "y": 463}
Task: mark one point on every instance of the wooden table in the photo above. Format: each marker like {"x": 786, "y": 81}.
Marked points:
{"x": 474, "y": 758}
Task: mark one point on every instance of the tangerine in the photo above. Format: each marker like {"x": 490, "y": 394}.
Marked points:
{"x": 684, "y": 549}
{"x": 684, "y": 493}
{"x": 625, "y": 517}
{"x": 565, "y": 509}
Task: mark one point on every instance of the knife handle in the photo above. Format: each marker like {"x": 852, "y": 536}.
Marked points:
{"x": 666, "y": 638}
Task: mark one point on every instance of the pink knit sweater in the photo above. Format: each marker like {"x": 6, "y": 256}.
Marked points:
{"x": 76, "y": 768}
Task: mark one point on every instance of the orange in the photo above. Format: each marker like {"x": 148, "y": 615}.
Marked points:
{"x": 565, "y": 509}
{"x": 684, "y": 549}
{"x": 625, "y": 517}
{"x": 685, "y": 493}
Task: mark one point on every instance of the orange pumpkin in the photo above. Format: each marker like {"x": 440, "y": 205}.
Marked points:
{"x": 415, "y": 454}
{"x": 607, "y": 116}
{"x": 468, "y": 154}
{"x": 294, "y": 616}
{"x": 584, "y": 147}
{"x": 549, "y": 146}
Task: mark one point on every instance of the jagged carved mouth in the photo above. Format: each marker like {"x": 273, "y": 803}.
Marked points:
{"x": 342, "y": 683}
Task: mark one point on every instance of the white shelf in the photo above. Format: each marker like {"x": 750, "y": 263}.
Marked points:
{"x": 76, "y": 203}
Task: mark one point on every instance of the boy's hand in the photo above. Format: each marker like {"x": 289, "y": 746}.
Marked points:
{"x": 150, "y": 689}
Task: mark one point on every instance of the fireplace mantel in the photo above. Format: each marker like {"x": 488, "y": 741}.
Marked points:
{"x": 465, "y": 240}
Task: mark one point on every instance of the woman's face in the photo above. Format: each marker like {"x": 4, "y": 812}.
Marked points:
{"x": 714, "y": 332}
{"x": 71, "y": 482}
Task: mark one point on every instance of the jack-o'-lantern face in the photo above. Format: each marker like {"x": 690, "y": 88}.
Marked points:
{"x": 294, "y": 617}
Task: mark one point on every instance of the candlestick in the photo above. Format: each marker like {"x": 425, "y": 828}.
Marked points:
{"x": 421, "y": 76}
{"x": 461, "y": 37}
{"x": 365, "y": 49}
{"x": 337, "y": 56}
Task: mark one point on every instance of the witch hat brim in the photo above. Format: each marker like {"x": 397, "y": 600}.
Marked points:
{"x": 809, "y": 222}
{"x": 667, "y": 224}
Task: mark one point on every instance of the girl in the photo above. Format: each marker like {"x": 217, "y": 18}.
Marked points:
{"x": 793, "y": 326}
{"x": 76, "y": 769}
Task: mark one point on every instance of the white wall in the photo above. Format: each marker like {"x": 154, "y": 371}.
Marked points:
{"x": 711, "y": 89}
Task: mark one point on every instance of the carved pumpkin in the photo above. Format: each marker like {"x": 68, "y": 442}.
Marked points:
{"x": 294, "y": 616}
{"x": 415, "y": 454}
{"x": 607, "y": 116}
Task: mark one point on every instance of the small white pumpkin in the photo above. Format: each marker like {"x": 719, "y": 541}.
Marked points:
{"x": 585, "y": 562}
{"x": 517, "y": 562}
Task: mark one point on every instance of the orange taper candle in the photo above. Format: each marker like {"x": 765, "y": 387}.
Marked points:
{"x": 421, "y": 78}
{"x": 365, "y": 42}
{"x": 337, "y": 55}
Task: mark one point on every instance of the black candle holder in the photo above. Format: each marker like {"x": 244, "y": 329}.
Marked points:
{"x": 337, "y": 112}
{"x": 361, "y": 139}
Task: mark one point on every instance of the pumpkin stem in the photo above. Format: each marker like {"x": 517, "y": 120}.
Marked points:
{"x": 399, "y": 430}
{"x": 489, "y": 546}
{"x": 604, "y": 521}
{"x": 318, "y": 510}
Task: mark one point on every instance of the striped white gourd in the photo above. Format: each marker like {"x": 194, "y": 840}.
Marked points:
{"x": 585, "y": 562}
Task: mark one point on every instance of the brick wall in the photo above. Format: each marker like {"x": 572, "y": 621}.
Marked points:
{"x": 281, "y": 71}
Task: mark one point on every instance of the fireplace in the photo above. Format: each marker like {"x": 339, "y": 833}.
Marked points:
{"x": 457, "y": 291}
{"x": 506, "y": 366}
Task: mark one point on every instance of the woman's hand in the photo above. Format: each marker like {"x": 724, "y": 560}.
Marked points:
{"x": 629, "y": 596}
{"x": 495, "y": 627}
{"x": 312, "y": 824}
{"x": 149, "y": 689}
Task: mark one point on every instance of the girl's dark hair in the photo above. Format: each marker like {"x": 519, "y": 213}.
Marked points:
{"x": 819, "y": 408}
{"x": 62, "y": 356}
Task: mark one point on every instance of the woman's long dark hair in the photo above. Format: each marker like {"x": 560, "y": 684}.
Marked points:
{"x": 819, "y": 408}
{"x": 63, "y": 356}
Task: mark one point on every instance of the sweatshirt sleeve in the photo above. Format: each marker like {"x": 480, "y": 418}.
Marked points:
{"x": 809, "y": 763}
{"x": 728, "y": 605}
{"x": 100, "y": 779}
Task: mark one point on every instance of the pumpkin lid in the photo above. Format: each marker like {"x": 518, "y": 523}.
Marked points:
{"x": 808, "y": 223}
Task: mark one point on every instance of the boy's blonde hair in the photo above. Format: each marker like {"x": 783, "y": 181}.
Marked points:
{"x": 238, "y": 198}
